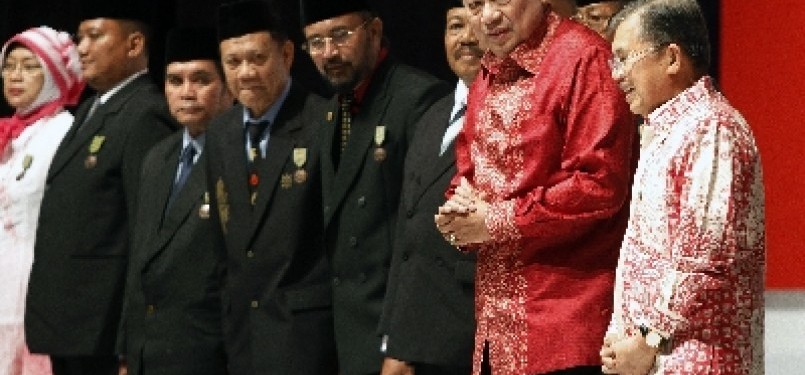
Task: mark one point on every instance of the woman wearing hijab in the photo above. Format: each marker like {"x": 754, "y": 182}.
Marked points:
{"x": 41, "y": 75}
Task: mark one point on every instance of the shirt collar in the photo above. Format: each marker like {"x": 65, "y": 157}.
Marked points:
{"x": 665, "y": 116}
{"x": 105, "y": 97}
{"x": 461, "y": 93}
{"x": 529, "y": 54}
{"x": 273, "y": 110}
{"x": 198, "y": 142}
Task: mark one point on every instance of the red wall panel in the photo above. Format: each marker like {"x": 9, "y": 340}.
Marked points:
{"x": 761, "y": 71}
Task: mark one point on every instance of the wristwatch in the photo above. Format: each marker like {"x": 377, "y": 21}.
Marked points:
{"x": 653, "y": 339}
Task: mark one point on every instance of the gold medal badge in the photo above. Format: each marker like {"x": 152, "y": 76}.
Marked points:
{"x": 299, "y": 159}
{"x": 223, "y": 203}
{"x": 94, "y": 146}
{"x": 380, "y": 138}
{"x": 204, "y": 210}
{"x": 329, "y": 116}
{"x": 286, "y": 181}
{"x": 27, "y": 160}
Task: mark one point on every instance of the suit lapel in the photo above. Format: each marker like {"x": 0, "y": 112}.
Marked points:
{"x": 270, "y": 172}
{"x": 361, "y": 139}
{"x": 75, "y": 139}
{"x": 280, "y": 147}
{"x": 236, "y": 180}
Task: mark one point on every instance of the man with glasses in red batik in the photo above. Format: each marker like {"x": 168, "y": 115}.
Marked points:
{"x": 544, "y": 163}
{"x": 690, "y": 280}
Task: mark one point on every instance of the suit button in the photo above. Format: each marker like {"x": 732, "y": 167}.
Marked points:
{"x": 362, "y": 278}
{"x": 409, "y": 212}
{"x": 255, "y": 304}
{"x": 250, "y": 254}
{"x": 353, "y": 241}
{"x": 440, "y": 262}
{"x": 405, "y": 257}
{"x": 150, "y": 309}
{"x": 336, "y": 281}
{"x": 361, "y": 201}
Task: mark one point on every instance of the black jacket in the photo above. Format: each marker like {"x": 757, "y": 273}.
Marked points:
{"x": 429, "y": 309}
{"x": 76, "y": 287}
{"x": 173, "y": 294}
{"x": 361, "y": 197}
{"x": 278, "y": 299}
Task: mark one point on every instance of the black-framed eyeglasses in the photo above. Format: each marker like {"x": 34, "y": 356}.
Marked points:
{"x": 339, "y": 38}
{"x": 475, "y": 6}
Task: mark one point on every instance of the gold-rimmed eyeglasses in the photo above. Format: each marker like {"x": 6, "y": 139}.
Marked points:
{"x": 338, "y": 37}
{"x": 26, "y": 68}
{"x": 621, "y": 65}
{"x": 475, "y": 6}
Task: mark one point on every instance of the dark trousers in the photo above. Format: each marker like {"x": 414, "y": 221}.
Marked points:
{"x": 581, "y": 370}
{"x": 94, "y": 365}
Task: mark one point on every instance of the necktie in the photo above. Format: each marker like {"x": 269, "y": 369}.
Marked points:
{"x": 452, "y": 129}
{"x": 346, "y": 120}
{"x": 255, "y": 130}
{"x": 185, "y": 166}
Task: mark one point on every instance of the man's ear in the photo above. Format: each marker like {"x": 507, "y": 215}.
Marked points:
{"x": 136, "y": 41}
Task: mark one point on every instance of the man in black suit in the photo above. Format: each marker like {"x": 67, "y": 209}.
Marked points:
{"x": 428, "y": 315}
{"x": 365, "y": 133}
{"x": 173, "y": 302}
{"x": 76, "y": 288}
{"x": 265, "y": 187}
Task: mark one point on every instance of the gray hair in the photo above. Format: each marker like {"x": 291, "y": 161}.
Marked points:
{"x": 663, "y": 22}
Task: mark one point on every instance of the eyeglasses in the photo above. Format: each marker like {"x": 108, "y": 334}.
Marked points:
{"x": 475, "y": 6}
{"x": 339, "y": 38}
{"x": 26, "y": 68}
{"x": 620, "y": 66}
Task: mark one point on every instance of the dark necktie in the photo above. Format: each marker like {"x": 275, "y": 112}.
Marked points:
{"x": 346, "y": 120}
{"x": 255, "y": 130}
{"x": 451, "y": 132}
{"x": 185, "y": 166}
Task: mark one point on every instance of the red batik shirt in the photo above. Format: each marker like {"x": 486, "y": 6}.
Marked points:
{"x": 693, "y": 258}
{"x": 548, "y": 138}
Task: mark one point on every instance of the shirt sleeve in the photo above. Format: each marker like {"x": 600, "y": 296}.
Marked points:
{"x": 593, "y": 175}
{"x": 717, "y": 178}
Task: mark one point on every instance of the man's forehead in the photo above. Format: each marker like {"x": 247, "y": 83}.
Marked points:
{"x": 178, "y": 67}
{"x": 323, "y": 26}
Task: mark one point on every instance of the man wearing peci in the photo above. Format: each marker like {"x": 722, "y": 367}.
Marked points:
{"x": 265, "y": 193}
{"x": 428, "y": 314}
{"x": 365, "y": 132}
{"x": 173, "y": 300}
{"x": 77, "y": 281}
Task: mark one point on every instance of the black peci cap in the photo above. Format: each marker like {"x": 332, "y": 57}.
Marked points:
{"x": 121, "y": 10}
{"x": 245, "y": 17}
{"x": 313, "y": 11}
{"x": 187, "y": 44}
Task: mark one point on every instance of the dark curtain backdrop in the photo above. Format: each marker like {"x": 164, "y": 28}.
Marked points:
{"x": 413, "y": 28}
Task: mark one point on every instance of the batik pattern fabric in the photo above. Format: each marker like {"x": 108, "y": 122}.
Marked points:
{"x": 693, "y": 257}
{"x": 548, "y": 139}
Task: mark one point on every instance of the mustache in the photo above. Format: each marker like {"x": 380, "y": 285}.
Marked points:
{"x": 472, "y": 49}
